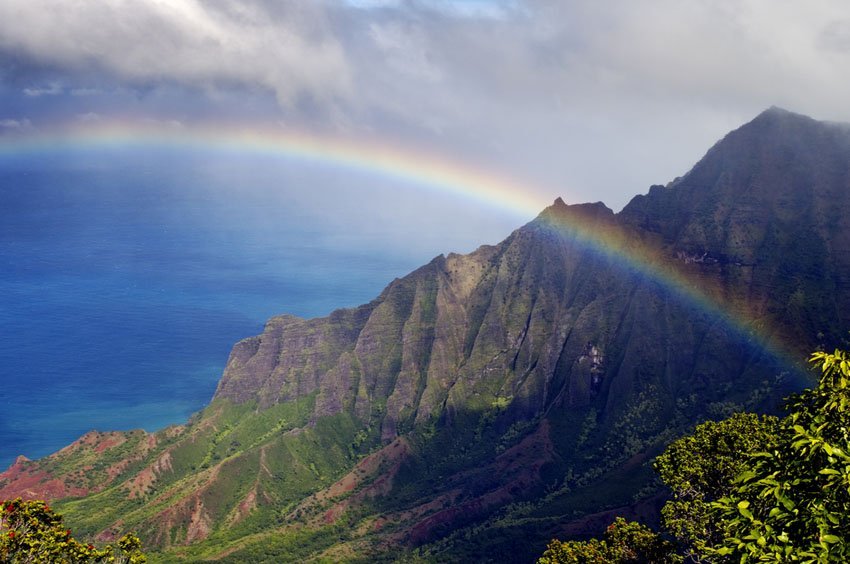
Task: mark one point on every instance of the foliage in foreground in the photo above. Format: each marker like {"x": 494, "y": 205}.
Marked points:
{"x": 31, "y": 532}
{"x": 700, "y": 469}
{"x": 794, "y": 501}
{"x": 624, "y": 541}
{"x": 749, "y": 488}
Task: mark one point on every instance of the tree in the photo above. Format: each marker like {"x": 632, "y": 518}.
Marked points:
{"x": 794, "y": 501}
{"x": 625, "y": 541}
{"x": 700, "y": 469}
{"x": 31, "y": 532}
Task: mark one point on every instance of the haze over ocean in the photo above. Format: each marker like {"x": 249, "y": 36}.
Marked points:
{"x": 126, "y": 277}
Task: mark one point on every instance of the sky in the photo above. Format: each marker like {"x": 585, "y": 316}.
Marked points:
{"x": 432, "y": 126}
{"x": 586, "y": 100}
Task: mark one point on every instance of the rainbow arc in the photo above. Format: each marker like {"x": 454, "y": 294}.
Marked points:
{"x": 429, "y": 170}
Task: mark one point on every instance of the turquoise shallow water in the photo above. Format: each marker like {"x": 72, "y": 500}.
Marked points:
{"x": 124, "y": 281}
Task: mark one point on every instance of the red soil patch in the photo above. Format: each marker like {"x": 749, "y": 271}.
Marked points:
{"x": 24, "y": 480}
{"x": 110, "y": 441}
{"x": 139, "y": 484}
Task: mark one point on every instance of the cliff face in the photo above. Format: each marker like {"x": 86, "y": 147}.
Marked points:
{"x": 536, "y": 377}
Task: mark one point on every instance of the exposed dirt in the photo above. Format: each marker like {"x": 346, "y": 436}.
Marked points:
{"x": 109, "y": 441}
{"x": 200, "y": 523}
{"x": 140, "y": 484}
{"x": 24, "y": 479}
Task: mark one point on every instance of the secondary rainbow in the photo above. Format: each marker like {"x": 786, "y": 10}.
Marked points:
{"x": 419, "y": 167}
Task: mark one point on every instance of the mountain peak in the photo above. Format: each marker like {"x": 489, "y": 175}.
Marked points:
{"x": 791, "y": 123}
{"x": 782, "y": 136}
{"x": 587, "y": 207}
{"x": 777, "y": 111}
{"x": 559, "y": 210}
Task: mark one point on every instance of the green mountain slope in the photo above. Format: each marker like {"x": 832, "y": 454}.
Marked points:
{"x": 486, "y": 402}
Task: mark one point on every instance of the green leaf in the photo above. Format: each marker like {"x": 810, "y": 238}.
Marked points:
{"x": 745, "y": 476}
{"x": 833, "y": 518}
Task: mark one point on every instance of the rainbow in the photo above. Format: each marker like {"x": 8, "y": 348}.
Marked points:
{"x": 433, "y": 172}
{"x": 418, "y": 167}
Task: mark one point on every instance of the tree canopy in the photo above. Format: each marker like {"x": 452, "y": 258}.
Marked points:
{"x": 31, "y": 532}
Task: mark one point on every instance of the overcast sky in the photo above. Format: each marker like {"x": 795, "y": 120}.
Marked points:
{"x": 589, "y": 100}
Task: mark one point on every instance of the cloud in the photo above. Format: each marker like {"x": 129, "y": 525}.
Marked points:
{"x": 374, "y": 4}
{"x": 49, "y": 90}
{"x": 90, "y": 117}
{"x": 405, "y": 52}
{"x": 15, "y": 125}
{"x": 362, "y": 55}
{"x": 561, "y": 90}
{"x": 85, "y": 91}
{"x": 555, "y": 91}
{"x": 285, "y": 47}
{"x": 475, "y": 9}
{"x": 454, "y": 8}
{"x": 170, "y": 124}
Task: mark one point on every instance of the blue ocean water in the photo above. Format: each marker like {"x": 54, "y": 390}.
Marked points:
{"x": 125, "y": 278}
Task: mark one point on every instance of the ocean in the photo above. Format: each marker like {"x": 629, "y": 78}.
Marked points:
{"x": 127, "y": 276}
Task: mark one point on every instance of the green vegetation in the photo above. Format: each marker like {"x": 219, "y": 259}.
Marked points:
{"x": 701, "y": 468}
{"x": 238, "y": 471}
{"x": 31, "y": 532}
{"x": 624, "y": 542}
{"x": 794, "y": 501}
{"x": 749, "y": 488}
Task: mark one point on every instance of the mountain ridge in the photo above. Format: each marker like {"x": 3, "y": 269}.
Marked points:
{"x": 489, "y": 400}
